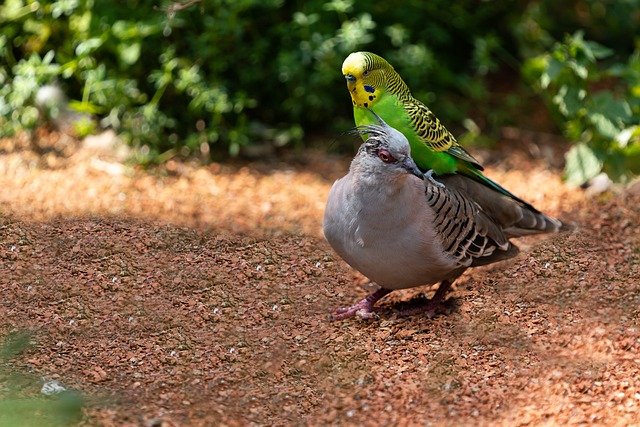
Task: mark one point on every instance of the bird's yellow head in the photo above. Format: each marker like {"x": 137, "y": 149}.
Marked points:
{"x": 366, "y": 77}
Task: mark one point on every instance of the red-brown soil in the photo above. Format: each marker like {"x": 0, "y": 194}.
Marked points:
{"x": 198, "y": 296}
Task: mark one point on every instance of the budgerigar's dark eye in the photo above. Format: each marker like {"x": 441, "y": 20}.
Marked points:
{"x": 366, "y": 73}
{"x": 385, "y": 156}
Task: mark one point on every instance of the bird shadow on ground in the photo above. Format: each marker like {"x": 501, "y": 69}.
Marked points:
{"x": 200, "y": 297}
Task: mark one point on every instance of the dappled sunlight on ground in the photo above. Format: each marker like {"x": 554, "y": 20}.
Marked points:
{"x": 198, "y": 295}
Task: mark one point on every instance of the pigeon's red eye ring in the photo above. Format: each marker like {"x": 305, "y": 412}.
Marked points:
{"x": 385, "y": 156}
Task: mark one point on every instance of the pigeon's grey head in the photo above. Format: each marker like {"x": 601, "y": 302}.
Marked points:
{"x": 387, "y": 146}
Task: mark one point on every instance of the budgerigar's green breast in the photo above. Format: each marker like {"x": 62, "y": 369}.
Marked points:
{"x": 391, "y": 110}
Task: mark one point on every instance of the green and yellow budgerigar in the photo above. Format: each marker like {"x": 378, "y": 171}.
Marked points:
{"x": 374, "y": 84}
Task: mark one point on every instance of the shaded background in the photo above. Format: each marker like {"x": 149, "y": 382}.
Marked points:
{"x": 207, "y": 78}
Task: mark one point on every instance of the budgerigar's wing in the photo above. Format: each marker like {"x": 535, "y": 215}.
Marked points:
{"x": 439, "y": 139}
{"x": 434, "y": 134}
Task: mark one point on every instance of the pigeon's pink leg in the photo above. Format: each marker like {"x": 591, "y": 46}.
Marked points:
{"x": 432, "y": 306}
{"x": 364, "y": 309}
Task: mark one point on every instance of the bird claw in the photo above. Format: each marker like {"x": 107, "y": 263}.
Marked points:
{"x": 364, "y": 309}
{"x": 367, "y": 314}
{"x": 358, "y": 310}
{"x": 429, "y": 176}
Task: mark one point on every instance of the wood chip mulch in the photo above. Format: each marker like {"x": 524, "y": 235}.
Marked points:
{"x": 198, "y": 296}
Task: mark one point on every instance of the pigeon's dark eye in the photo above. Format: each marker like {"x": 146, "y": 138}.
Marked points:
{"x": 385, "y": 156}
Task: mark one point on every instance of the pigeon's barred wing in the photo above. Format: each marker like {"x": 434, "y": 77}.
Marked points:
{"x": 514, "y": 217}
{"x": 466, "y": 232}
{"x": 433, "y": 133}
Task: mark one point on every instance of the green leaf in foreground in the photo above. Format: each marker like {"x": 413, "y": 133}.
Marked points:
{"x": 61, "y": 411}
{"x": 19, "y": 406}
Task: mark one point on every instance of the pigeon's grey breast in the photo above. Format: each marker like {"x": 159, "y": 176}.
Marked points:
{"x": 386, "y": 232}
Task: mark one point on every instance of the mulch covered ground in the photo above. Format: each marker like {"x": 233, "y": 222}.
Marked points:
{"x": 198, "y": 295}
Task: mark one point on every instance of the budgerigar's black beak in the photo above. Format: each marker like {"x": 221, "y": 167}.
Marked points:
{"x": 350, "y": 78}
{"x": 412, "y": 168}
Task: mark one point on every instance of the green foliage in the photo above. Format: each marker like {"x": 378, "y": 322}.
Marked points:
{"x": 609, "y": 22}
{"x": 221, "y": 74}
{"x": 18, "y": 407}
{"x": 596, "y": 103}
{"x": 208, "y": 77}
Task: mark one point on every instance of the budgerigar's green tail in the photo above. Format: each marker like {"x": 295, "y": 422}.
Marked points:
{"x": 476, "y": 175}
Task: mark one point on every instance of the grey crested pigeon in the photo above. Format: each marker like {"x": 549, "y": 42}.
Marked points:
{"x": 402, "y": 228}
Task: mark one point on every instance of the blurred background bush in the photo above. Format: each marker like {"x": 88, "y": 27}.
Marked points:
{"x": 208, "y": 77}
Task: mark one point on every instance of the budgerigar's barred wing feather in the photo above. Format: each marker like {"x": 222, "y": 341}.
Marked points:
{"x": 424, "y": 122}
{"x": 394, "y": 82}
{"x": 432, "y": 132}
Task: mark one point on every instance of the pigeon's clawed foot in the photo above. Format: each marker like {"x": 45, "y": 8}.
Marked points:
{"x": 429, "y": 176}
{"x": 433, "y": 306}
{"x": 364, "y": 309}
{"x": 361, "y": 310}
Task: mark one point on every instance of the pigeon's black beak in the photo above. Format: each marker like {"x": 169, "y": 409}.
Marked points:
{"x": 350, "y": 78}
{"x": 410, "y": 166}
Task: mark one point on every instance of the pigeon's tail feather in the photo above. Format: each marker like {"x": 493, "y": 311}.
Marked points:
{"x": 515, "y": 218}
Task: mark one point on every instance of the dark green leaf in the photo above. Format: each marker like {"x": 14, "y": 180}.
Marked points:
{"x": 599, "y": 51}
{"x": 129, "y": 52}
{"x": 582, "y": 164}
{"x": 615, "y": 110}
{"x": 569, "y": 100}
{"x": 603, "y": 125}
{"x": 632, "y": 159}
